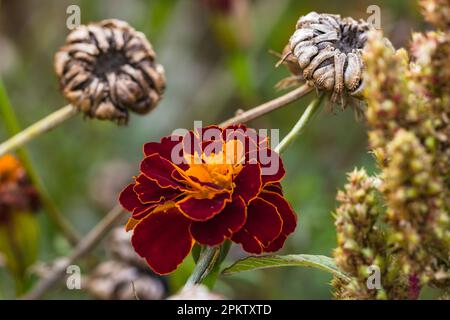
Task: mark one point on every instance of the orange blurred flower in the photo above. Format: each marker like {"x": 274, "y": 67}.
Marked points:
{"x": 16, "y": 192}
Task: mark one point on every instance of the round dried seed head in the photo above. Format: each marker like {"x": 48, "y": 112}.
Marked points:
{"x": 116, "y": 280}
{"x": 107, "y": 68}
{"x": 291, "y": 62}
{"x": 328, "y": 50}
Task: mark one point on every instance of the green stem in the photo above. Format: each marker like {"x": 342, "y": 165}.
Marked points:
{"x": 210, "y": 279}
{"x": 12, "y": 126}
{"x": 38, "y": 128}
{"x": 205, "y": 264}
{"x": 300, "y": 125}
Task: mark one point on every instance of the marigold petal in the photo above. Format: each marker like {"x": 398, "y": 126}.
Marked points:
{"x": 148, "y": 191}
{"x": 212, "y": 147}
{"x": 276, "y": 244}
{"x": 143, "y": 211}
{"x": 131, "y": 223}
{"x": 219, "y": 228}
{"x": 130, "y": 202}
{"x": 284, "y": 209}
{"x": 233, "y": 127}
{"x": 234, "y": 132}
{"x": 128, "y": 198}
{"x": 209, "y": 185}
{"x": 248, "y": 182}
{"x": 191, "y": 143}
{"x": 209, "y": 133}
{"x": 163, "y": 239}
{"x": 263, "y": 221}
{"x": 248, "y": 137}
{"x": 271, "y": 166}
{"x": 248, "y": 242}
{"x": 160, "y": 170}
{"x": 211, "y": 140}
{"x": 199, "y": 172}
{"x": 274, "y": 187}
{"x": 163, "y": 148}
{"x": 199, "y": 139}
{"x": 203, "y": 209}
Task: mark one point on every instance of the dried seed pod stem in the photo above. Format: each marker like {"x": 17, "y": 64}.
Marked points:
{"x": 298, "y": 128}
{"x": 269, "y": 106}
{"x": 85, "y": 246}
{"x": 48, "y": 123}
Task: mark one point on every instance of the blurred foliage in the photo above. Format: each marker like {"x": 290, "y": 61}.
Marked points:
{"x": 19, "y": 245}
{"x": 216, "y": 62}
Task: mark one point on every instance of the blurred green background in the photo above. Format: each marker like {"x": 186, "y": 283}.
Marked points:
{"x": 217, "y": 61}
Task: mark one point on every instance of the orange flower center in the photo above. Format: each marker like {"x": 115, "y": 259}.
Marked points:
{"x": 10, "y": 169}
{"x": 214, "y": 172}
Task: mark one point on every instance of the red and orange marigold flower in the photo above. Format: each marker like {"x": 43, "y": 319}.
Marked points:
{"x": 206, "y": 186}
{"x": 16, "y": 192}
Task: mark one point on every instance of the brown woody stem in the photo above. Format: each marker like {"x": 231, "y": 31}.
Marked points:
{"x": 269, "y": 106}
{"x": 84, "y": 246}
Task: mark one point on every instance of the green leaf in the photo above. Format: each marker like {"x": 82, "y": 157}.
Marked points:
{"x": 273, "y": 261}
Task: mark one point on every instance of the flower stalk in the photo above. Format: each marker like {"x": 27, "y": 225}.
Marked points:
{"x": 206, "y": 262}
{"x": 269, "y": 106}
{"x": 48, "y": 123}
{"x": 300, "y": 125}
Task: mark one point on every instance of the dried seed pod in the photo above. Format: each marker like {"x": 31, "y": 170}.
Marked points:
{"x": 328, "y": 49}
{"x": 119, "y": 246}
{"x": 108, "y": 68}
{"x": 292, "y": 65}
{"x": 115, "y": 280}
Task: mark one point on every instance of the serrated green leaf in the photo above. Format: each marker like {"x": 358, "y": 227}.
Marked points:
{"x": 294, "y": 260}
